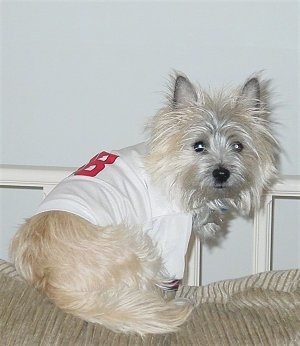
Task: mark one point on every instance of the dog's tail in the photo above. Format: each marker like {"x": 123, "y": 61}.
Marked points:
{"x": 125, "y": 309}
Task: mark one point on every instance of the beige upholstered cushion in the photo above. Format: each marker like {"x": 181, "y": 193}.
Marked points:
{"x": 262, "y": 309}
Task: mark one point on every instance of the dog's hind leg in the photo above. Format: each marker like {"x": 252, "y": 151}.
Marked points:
{"x": 104, "y": 275}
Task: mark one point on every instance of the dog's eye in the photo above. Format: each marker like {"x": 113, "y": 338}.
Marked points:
{"x": 199, "y": 146}
{"x": 237, "y": 146}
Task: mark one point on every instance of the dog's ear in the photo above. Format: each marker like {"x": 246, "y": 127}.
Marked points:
{"x": 251, "y": 92}
{"x": 184, "y": 92}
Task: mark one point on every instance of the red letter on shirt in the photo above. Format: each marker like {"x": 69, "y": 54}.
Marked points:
{"x": 96, "y": 164}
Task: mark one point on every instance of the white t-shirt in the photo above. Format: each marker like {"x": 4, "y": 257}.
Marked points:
{"x": 113, "y": 188}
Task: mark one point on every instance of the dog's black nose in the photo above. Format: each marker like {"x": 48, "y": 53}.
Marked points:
{"x": 221, "y": 174}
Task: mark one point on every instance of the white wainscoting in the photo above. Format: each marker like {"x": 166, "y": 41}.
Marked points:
{"x": 288, "y": 186}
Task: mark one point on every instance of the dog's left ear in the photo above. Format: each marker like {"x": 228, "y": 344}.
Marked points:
{"x": 251, "y": 92}
{"x": 184, "y": 92}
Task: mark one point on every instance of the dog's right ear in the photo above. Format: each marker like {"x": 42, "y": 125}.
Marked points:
{"x": 251, "y": 92}
{"x": 184, "y": 92}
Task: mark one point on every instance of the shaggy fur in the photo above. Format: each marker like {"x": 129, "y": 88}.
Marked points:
{"x": 210, "y": 154}
{"x": 220, "y": 121}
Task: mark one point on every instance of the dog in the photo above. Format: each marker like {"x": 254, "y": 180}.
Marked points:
{"x": 110, "y": 238}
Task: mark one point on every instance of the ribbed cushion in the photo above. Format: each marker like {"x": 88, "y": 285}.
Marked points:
{"x": 262, "y": 309}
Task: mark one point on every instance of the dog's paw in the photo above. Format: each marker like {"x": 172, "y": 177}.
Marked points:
{"x": 208, "y": 231}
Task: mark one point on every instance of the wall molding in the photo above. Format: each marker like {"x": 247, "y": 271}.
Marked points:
{"x": 288, "y": 186}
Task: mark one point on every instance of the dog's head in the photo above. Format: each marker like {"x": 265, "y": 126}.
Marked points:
{"x": 205, "y": 148}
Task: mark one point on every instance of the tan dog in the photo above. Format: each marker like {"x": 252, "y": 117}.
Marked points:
{"x": 109, "y": 237}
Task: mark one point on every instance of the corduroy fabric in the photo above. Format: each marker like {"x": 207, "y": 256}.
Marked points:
{"x": 262, "y": 309}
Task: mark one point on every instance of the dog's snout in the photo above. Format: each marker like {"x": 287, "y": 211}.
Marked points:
{"x": 221, "y": 174}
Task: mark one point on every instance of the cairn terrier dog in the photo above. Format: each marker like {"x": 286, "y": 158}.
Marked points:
{"x": 111, "y": 237}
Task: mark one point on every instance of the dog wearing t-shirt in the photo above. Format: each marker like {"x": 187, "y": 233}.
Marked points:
{"x": 108, "y": 239}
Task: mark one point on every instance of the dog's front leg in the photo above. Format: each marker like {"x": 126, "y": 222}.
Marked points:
{"x": 207, "y": 222}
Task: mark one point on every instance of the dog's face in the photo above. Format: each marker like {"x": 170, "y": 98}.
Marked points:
{"x": 205, "y": 148}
